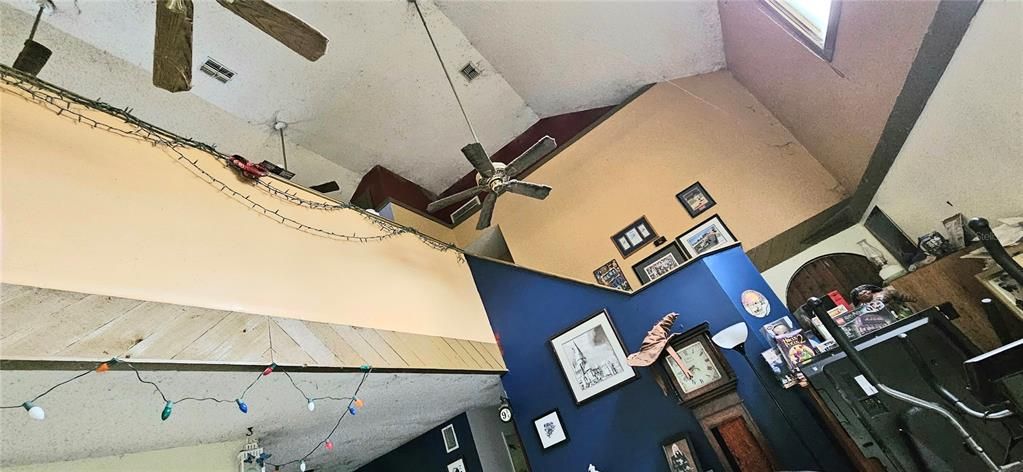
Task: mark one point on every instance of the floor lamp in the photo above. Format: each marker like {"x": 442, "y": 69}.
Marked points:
{"x": 734, "y": 338}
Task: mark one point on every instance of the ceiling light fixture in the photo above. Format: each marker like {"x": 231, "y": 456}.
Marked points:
{"x": 33, "y": 56}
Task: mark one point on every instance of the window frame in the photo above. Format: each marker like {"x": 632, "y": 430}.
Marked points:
{"x": 798, "y": 26}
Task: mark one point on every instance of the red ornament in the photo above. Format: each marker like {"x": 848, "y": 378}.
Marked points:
{"x": 247, "y": 169}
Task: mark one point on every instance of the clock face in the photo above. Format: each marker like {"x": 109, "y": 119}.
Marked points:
{"x": 506, "y": 414}
{"x": 700, "y": 365}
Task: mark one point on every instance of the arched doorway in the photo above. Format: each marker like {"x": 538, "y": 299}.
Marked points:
{"x": 839, "y": 271}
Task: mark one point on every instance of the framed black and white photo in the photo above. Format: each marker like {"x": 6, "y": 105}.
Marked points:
{"x": 550, "y": 430}
{"x": 659, "y": 264}
{"x": 611, "y": 275}
{"x": 634, "y": 237}
{"x": 679, "y": 453}
{"x": 695, "y": 199}
{"x": 450, "y": 438}
{"x": 457, "y": 466}
{"x": 706, "y": 236}
{"x": 592, "y": 358}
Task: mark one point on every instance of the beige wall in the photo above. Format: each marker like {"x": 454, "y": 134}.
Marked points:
{"x": 965, "y": 153}
{"x": 837, "y": 109}
{"x": 219, "y": 457}
{"x": 635, "y": 162}
{"x": 429, "y": 227}
{"x": 88, "y": 211}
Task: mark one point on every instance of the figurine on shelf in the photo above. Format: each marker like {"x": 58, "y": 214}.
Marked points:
{"x": 895, "y": 300}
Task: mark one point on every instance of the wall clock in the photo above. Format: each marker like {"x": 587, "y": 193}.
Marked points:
{"x": 696, "y": 368}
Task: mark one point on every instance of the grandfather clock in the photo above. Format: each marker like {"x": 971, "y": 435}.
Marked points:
{"x": 703, "y": 381}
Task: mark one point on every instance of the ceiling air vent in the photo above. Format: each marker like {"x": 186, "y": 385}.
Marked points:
{"x": 470, "y": 72}
{"x": 464, "y": 211}
{"x": 216, "y": 70}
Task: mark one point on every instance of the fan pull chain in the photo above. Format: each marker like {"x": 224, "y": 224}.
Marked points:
{"x": 445, "y": 69}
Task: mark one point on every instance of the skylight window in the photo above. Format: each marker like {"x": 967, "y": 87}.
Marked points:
{"x": 814, "y": 22}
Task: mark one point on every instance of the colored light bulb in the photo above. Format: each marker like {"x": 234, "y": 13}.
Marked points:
{"x": 35, "y": 412}
{"x": 329, "y": 445}
{"x": 351, "y": 409}
{"x": 269, "y": 368}
{"x": 364, "y": 367}
{"x": 301, "y": 466}
{"x": 311, "y": 406}
{"x": 103, "y": 367}
{"x": 359, "y": 403}
{"x": 167, "y": 411}
{"x": 242, "y": 406}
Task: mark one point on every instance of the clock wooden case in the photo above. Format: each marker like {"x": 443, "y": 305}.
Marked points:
{"x": 706, "y": 374}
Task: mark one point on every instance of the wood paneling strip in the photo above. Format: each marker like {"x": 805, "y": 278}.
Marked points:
{"x": 309, "y": 342}
{"x": 342, "y": 349}
{"x": 52, "y": 333}
{"x": 373, "y": 338}
{"x": 51, "y": 324}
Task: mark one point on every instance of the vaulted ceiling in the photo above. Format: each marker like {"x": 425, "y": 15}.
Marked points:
{"x": 378, "y": 96}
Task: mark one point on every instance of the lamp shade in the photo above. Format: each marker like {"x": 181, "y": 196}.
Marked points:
{"x": 731, "y": 336}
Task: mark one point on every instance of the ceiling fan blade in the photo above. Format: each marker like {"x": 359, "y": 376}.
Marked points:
{"x": 528, "y": 189}
{"x": 478, "y": 158}
{"x": 532, "y": 155}
{"x": 454, "y": 198}
{"x": 487, "y": 212}
{"x": 280, "y": 25}
{"x": 172, "y": 51}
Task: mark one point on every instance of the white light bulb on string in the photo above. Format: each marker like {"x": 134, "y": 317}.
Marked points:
{"x": 35, "y": 412}
{"x": 301, "y": 466}
{"x": 311, "y": 405}
{"x": 262, "y": 468}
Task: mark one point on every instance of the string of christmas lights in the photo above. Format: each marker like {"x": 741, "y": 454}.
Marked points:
{"x": 36, "y": 412}
{"x": 64, "y": 103}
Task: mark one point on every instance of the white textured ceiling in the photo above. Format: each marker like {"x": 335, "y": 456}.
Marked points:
{"x": 112, "y": 413}
{"x": 563, "y": 56}
{"x": 378, "y": 95}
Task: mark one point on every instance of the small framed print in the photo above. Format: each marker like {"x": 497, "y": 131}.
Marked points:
{"x": 660, "y": 263}
{"x": 706, "y": 236}
{"x": 695, "y": 199}
{"x": 550, "y": 430}
{"x": 592, "y": 357}
{"x": 611, "y": 275}
{"x": 634, "y": 236}
{"x": 679, "y": 453}
{"x": 450, "y": 438}
{"x": 457, "y": 466}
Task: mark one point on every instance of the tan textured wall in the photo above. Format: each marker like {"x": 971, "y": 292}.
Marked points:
{"x": 425, "y": 225}
{"x": 838, "y": 109}
{"x": 635, "y": 162}
{"x": 88, "y": 211}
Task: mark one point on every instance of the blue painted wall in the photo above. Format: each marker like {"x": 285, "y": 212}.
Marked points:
{"x": 623, "y": 430}
{"x": 426, "y": 452}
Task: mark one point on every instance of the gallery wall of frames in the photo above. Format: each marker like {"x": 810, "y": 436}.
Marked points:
{"x": 577, "y": 402}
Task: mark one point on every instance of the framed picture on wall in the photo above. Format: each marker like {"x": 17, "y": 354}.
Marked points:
{"x": 550, "y": 430}
{"x": 695, "y": 199}
{"x": 659, "y": 264}
{"x": 679, "y": 453}
{"x": 457, "y": 466}
{"x": 706, "y": 236}
{"x": 450, "y": 438}
{"x": 592, "y": 357}
{"x": 633, "y": 237}
{"x": 611, "y": 275}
